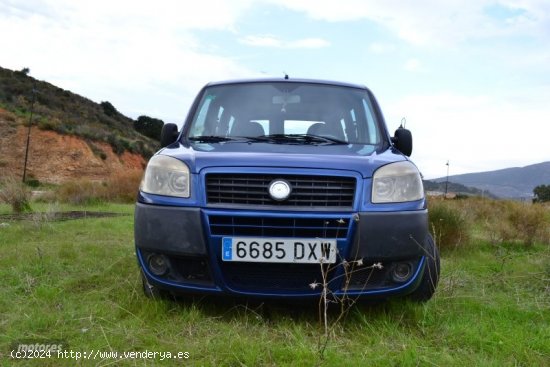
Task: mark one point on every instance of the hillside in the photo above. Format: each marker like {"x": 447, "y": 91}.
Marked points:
{"x": 72, "y": 137}
{"x": 516, "y": 183}
{"x": 456, "y": 188}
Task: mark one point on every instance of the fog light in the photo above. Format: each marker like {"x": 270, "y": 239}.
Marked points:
{"x": 158, "y": 264}
{"x": 401, "y": 272}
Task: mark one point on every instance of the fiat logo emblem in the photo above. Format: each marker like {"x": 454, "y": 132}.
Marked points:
{"x": 279, "y": 190}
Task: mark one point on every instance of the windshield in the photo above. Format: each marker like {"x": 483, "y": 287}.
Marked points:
{"x": 274, "y": 110}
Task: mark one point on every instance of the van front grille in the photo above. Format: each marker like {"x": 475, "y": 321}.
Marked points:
{"x": 306, "y": 191}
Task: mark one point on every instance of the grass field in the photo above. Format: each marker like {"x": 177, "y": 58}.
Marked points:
{"x": 78, "y": 281}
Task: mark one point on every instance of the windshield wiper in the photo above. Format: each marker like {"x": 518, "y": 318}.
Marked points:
{"x": 330, "y": 139}
{"x": 301, "y": 139}
{"x": 210, "y": 138}
{"x": 220, "y": 139}
{"x": 273, "y": 138}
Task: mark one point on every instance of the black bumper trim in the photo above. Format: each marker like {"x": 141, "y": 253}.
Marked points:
{"x": 390, "y": 235}
{"x": 169, "y": 229}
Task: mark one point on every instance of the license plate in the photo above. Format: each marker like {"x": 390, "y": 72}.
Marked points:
{"x": 279, "y": 250}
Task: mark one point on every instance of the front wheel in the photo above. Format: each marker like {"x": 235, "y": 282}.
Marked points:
{"x": 430, "y": 275}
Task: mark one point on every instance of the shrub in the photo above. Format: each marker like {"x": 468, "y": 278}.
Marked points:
{"x": 116, "y": 142}
{"x": 149, "y": 126}
{"x": 96, "y": 150}
{"x": 448, "y": 224}
{"x": 24, "y": 71}
{"x": 541, "y": 194}
{"x": 506, "y": 221}
{"x": 32, "y": 181}
{"x": 81, "y": 192}
{"x": 16, "y": 194}
{"x": 120, "y": 187}
{"x": 109, "y": 109}
{"x": 123, "y": 186}
{"x": 47, "y": 124}
{"x": 529, "y": 223}
{"x": 6, "y": 115}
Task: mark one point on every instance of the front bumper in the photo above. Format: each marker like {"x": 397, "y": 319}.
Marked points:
{"x": 189, "y": 239}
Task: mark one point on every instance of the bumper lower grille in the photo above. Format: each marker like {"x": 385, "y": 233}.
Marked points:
{"x": 307, "y": 191}
{"x": 227, "y": 225}
{"x": 272, "y": 277}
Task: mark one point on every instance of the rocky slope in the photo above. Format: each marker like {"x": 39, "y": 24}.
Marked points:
{"x": 57, "y": 158}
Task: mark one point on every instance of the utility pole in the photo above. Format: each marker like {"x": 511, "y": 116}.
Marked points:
{"x": 29, "y": 132}
{"x": 447, "y": 182}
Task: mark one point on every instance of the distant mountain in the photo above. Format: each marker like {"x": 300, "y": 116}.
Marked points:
{"x": 512, "y": 183}
{"x": 438, "y": 188}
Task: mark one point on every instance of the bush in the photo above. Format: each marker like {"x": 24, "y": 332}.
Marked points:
{"x": 6, "y": 115}
{"x": 47, "y": 124}
{"x": 448, "y": 224}
{"x": 120, "y": 187}
{"x": 123, "y": 186}
{"x": 32, "y": 181}
{"x": 16, "y": 194}
{"x": 529, "y": 223}
{"x": 81, "y": 192}
{"x": 149, "y": 126}
{"x": 541, "y": 194}
{"x": 109, "y": 109}
{"x": 507, "y": 221}
{"x": 115, "y": 141}
{"x": 96, "y": 150}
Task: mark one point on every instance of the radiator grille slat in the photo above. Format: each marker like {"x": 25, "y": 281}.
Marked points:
{"x": 307, "y": 191}
{"x": 224, "y": 225}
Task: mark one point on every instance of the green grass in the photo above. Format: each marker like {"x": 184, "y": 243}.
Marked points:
{"x": 78, "y": 281}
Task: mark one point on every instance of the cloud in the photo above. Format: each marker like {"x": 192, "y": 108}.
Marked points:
{"x": 476, "y": 133}
{"x": 380, "y": 48}
{"x": 272, "y": 41}
{"x": 413, "y": 65}
{"x": 425, "y": 22}
{"x": 124, "y": 51}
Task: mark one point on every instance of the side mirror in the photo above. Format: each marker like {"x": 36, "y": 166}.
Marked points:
{"x": 168, "y": 134}
{"x": 402, "y": 140}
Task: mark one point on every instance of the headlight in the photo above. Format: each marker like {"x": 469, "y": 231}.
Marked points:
{"x": 397, "y": 182}
{"x": 166, "y": 176}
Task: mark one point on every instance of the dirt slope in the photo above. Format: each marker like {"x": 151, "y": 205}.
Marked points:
{"x": 57, "y": 158}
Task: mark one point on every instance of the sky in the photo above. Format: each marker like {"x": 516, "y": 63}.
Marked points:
{"x": 471, "y": 77}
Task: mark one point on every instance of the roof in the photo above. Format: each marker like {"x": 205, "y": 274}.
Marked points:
{"x": 289, "y": 80}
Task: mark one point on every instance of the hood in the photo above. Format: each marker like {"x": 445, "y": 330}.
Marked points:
{"x": 362, "y": 159}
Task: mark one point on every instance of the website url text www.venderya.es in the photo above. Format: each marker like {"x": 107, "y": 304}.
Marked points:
{"x": 97, "y": 354}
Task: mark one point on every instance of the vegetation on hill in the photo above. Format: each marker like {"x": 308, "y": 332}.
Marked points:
{"x": 541, "y": 194}
{"x": 68, "y": 113}
{"x": 511, "y": 183}
{"x": 149, "y": 126}
{"x": 456, "y": 188}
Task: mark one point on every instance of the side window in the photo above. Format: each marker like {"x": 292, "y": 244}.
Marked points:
{"x": 198, "y": 125}
{"x": 372, "y": 128}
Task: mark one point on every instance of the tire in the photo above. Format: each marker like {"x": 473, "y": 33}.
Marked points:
{"x": 151, "y": 290}
{"x": 430, "y": 275}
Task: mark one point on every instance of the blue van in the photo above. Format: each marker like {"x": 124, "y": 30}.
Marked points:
{"x": 284, "y": 188}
